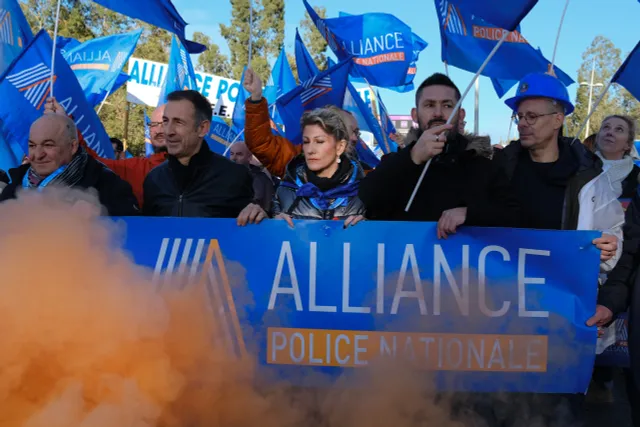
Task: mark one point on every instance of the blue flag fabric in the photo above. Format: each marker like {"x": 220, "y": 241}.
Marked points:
{"x": 505, "y": 14}
{"x": 65, "y": 44}
{"x": 388, "y": 145}
{"x": 418, "y": 46}
{"x": 98, "y": 63}
{"x": 280, "y": 82}
{"x": 148, "y": 147}
{"x": 239, "y": 110}
{"x": 159, "y": 13}
{"x": 15, "y": 32}
{"x": 128, "y": 155}
{"x": 365, "y": 155}
{"x": 467, "y": 41}
{"x": 325, "y": 88}
{"x": 381, "y": 46}
{"x": 354, "y": 104}
{"x": 25, "y": 86}
{"x": 307, "y": 68}
{"x": 180, "y": 72}
{"x": 627, "y": 74}
{"x": 221, "y": 135}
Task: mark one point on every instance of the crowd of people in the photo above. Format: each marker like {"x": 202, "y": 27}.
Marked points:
{"x": 543, "y": 180}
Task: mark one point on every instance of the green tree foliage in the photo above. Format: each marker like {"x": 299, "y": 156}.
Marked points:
{"x": 316, "y": 44}
{"x": 211, "y": 60}
{"x": 607, "y": 58}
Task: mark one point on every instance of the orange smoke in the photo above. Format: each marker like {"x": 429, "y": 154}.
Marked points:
{"x": 87, "y": 341}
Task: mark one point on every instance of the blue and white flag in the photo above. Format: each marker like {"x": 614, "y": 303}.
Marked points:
{"x": 24, "y": 88}
{"x": 505, "y": 14}
{"x": 98, "y": 63}
{"x": 65, "y": 44}
{"x": 418, "y": 46}
{"x": 467, "y": 41}
{"x": 15, "y": 32}
{"x": 381, "y": 45}
{"x": 325, "y": 88}
{"x": 180, "y": 72}
{"x": 159, "y": 13}
{"x": 220, "y": 136}
{"x": 388, "y": 145}
{"x": 627, "y": 74}
{"x": 238, "y": 117}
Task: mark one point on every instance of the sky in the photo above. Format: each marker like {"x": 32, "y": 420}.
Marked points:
{"x": 585, "y": 19}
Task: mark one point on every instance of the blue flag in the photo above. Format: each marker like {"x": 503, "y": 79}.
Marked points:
{"x": 307, "y": 68}
{"x": 388, "y": 145}
{"x": 238, "y": 111}
{"x": 325, "y": 88}
{"x": 25, "y": 86}
{"x": 15, "y": 32}
{"x": 148, "y": 147}
{"x": 128, "y": 155}
{"x": 627, "y": 74}
{"x": 505, "y": 14}
{"x": 280, "y": 82}
{"x": 65, "y": 44}
{"x": 365, "y": 154}
{"x": 418, "y": 46}
{"x": 180, "y": 72}
{"x": 467, "y": 41}
{"x": 159, "y": 13}
{"x": 220, "y": 135}
{"x": 98, "y": 63}
{"x": 381, "y": 46}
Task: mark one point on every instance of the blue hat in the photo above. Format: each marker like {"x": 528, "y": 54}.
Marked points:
{"x": 541, "y": 85}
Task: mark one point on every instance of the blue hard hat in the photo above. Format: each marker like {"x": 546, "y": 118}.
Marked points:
{"x": 541, "y": 85}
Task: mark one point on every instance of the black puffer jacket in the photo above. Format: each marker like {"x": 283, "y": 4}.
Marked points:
{"x": 340, "y": 202}
{"x": 211, "y": 186}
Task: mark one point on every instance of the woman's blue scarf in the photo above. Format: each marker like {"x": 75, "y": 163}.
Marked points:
{"x": 322, "y": 199}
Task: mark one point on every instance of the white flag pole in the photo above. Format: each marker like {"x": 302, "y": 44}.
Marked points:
{"x": 103, "y": 102}
{"x": 250, "y": 30}
{"x": 53, "y": 51}
{"x": 233, "y": 142}
{"x": 505, "y": 34}
{"x": 555, "y": 47}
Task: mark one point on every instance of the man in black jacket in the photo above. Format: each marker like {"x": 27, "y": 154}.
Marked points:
{"x": 461, "y": 186}
{"x": 56, "y": 159}
{"x": 196, "y": 182}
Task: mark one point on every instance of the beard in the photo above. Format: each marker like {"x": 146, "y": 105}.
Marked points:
{"x": 439, "y": 122}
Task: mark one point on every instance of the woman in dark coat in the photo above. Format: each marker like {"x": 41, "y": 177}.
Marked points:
{"x": 322, "y": 182}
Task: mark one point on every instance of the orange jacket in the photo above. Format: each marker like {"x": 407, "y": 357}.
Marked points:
{"x": 133, "y": 170}
{"x": 274, "y": 152}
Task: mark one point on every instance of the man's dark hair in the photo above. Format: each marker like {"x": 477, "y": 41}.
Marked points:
{"x": 199, "y": 102}
{"x": 437, "y": 79}
{"x": 118, "y": 143}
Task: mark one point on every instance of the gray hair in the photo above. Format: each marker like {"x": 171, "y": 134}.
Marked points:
{"x": 329, "y": 119}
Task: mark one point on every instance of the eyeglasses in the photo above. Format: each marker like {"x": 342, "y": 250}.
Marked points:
{"x": 356, "y": 133}
{"x": 530, "y": 118}
{"x": 154, "y": 124}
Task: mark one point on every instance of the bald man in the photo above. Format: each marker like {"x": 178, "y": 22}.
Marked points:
{"x": 56, "y": 159}
{"x": 135, "y": 169}
{"x": 262, "y": 185}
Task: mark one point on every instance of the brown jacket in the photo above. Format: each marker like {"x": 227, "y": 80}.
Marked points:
{"x": 133, "y": 170}
{"x": 274, "y": 152}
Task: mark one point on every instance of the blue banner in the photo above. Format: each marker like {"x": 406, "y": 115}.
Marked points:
{"x": 381, "y": 46}
{"x": 98, "y": 63}
{"x": 24, "y": 88}
{"x": 467, "y": 41}
{"x": 487, "y": 310}
{"x": 159, "y": 13}
{"x": 220, "y": 135}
